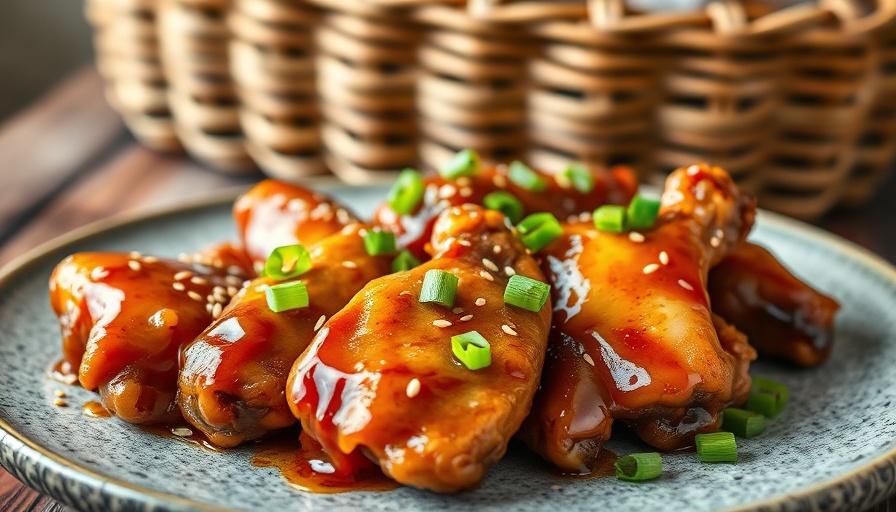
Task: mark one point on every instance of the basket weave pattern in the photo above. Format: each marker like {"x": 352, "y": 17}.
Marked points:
{"x": 799, "y": 104}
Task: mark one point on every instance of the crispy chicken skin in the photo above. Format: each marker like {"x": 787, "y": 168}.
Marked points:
{"x": 783, "y": 317}
{"x": 273, "y": 213}
{"x": 124, "y": 318}
{"x": 355, "y": 388}
{"x": 638, "y": 310}
{"x": 234, "y": 374}
{"x": 413, "y": 231}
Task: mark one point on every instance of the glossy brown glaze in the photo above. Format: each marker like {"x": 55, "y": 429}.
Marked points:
{"x": 124, "y": 318}
{"x": 273, "y": 213}
{"x": 783, "y": 317}
{"x": 380, "y": 377}
{"x": 615, "y": 186}
{"x": 635, "y": 309}
{"x": 233, "y": 375}
{"x": 95, "y": 409}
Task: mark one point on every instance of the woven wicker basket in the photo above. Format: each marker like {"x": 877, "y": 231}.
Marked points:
{"x": 798, "y": 103}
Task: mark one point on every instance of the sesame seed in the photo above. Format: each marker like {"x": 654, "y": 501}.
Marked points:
{"x": 60, "y": 403}
{"x": 342, "y": 216}
{"x": 404, "y": 293}
{"x": 486, "y": 275}
{"x": 480, "y": 301}
{"x": 466, "y": 192}
{"x": 447, "y": 191}
{"x": 135, "y": 254}
{"x": 182, "y": 432}
{"x": 216, "y": 310}
{"x": 198, "y": 280}
{"x": 209, "y": 307}
{"x": 179, "y": 286}
{"x": 714, "y": 241}
{"x": 183, "y": 274}
{"x": 686, "y": 285}
{"x": 466, "y": 318}
{"x": 413, "y": 388}
{"x": 233, "y": 269}
{"x": 465, "y": 243}
{"x": 509, "y": 271}
{"x": 262, "y": 287}
{"x": 60, "y": 393}
{"x": 463, "y": 181}
{"x": 441, "y": 323}
{"x": 587, "y": 358}
{"x": 195, "y": 296}
{"x": 457, "y": 311}
{"x": 664, "y": 258}
{"x": 150, "y": 259}
{"x": 496, "y": 249}
{"x": 232, "y": 290}
{"x": 234, "y": 281}
{"x": 693, "y": 170}
{"x": 135, "y": 265}
{"x": 649, "y": 269}
{"x": 349, "y": 264}
{"x": 634, "y": 236}
{"x": 320, "y": 322}
{"x": 509, "y": 330}
{"x": 489, "y": 264}
{"x": 500, "y": 181}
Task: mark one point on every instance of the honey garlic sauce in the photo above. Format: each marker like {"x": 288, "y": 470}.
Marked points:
{"x": 94, "y": 409}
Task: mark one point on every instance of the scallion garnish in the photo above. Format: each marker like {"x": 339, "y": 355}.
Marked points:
{"x": 579, "y": 177}
{"x": 439, "y": 286}
{"x": 642, "y": 212}
{"x": 406, "y": 193}
{"x": 525, "y": 177}
{"x": 506, "y": 203}
{"x": 610, "y": 217}
{"x": 287, "y": 262}
{"x": 716, "y": 447}
{"x": 639, "y": 467}
{"x": 463, "y": 163}
{"x": 404, "y": 261}
{"x": 743, "y": 423}
{"x": 378, "y": 242}
{"x": 286, "y": 296}
{"x": 525, "y": 292}
{"x": 767, "y": 397}
{"x": 538, "y": 230}
{"x": 472, "y": 350}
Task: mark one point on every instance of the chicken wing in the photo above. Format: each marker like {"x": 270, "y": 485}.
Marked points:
{"x": 782, "y": 316}
{"x": 124, "y": 318}
{"x": 635, "y": 309}
{"x": 380, "y": 378}
{"x": 234, "y": 374}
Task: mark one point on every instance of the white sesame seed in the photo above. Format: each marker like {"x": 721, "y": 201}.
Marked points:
{"x": 208, "y": 308}
{"x": 404, "y": 293}
{"x": 486, "y": 275}
{"x": 714, "y": 241}
{"x": 179, "y": 286}
{"x": 342, "y": 216}
{"x": 441, "y": 323}
{"x": 499, "y": 180}
{"x": 60, "y": 403}
{"x": 183, "y": 274}
{"x": 150, "y": 259}
{"x": 413, "y": 388}
{"x": 182, "y": 432}
{"x": 349, "y": 264}
{"x": 262, "y": 287}
{"x": 587, "y": 358}
{"x": 649, "y": 269}
{"x": 195, "y": 296}
{"x": 60, "y": 393}
{"x": 135, "y": 265}
{"x": 457, "y": 311}
{"x": 232, "y": 290}
{"x": 496, "y": 249}
{"x": 198, "y": 280}
{"x": 216, "y": 310}
{"x": 135, "y": 254}
{"x": 489, "y": 264}
{"x": 686, "y": 285}
{"x": 634, "y": 236}
{"x": 320, "y": 322}
{"x": 233, "y": 269}
{"x": 664, "y": 258}
{"x": 466, "y": 192}
{"x": 509, "y": 271}
{"x": 509, "y": 330}
{"x": 447, "y": 191}
{"x": 234, "y": 281}
{"x": 465, "y": 243}
{"x": 693, "y": 170}
{"x": 466, "y": 318}
{"x": 480, "y": 301}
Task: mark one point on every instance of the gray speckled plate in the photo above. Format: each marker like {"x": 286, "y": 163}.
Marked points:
{"x": 834, "y": 448}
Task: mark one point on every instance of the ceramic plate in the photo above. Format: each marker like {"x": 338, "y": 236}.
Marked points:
{"x": 834, "y": 447}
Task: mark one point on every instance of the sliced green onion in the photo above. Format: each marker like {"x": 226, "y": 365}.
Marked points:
{"x": 463, "y": 163}
{"x": 767, "y": 397}
{"x": 472, "y": 350}
{"x": 406, "y": 193}
{"x": 538, "y": 230}
{"x": 404, "y": 261}
{"x": 286, "y": 296}
{"x": 378, "y": 242}
{"x": 506, "y": 203}
{"x": 716, "y": 447}
{"x": 287, "y": 262}
{"x": 439, "y": 286}
{"x": 527, "y": 293}
{"x": 743, "y": 423}
{"x": 610, "y": 217}
{"x": 579, "y": 177}
{"x": 642, "y": 212}
{"x": 639, "y": 467}
{"x": 525, "y": 177}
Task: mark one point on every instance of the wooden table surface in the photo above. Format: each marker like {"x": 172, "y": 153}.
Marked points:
{"x": 67, "y": 161}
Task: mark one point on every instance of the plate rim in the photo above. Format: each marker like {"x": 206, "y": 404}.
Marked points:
{"x": 880, "y": 471}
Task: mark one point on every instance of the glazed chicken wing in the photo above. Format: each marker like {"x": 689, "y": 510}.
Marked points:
{"x": 234, "y": 374}
{"x": 380, "y": 377}
{"x": 782, "y": 316}
{"x": 124, "y": 318}
{"x": 635, "y": 309}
